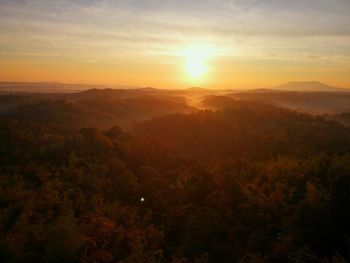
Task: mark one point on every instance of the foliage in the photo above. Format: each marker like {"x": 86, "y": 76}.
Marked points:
{"x": 250, "y": 184}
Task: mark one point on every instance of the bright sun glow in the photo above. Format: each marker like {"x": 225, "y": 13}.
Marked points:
{"x": 196, "y": 60}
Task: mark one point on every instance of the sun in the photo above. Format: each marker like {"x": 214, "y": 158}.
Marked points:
{"x": 196, "y": 60}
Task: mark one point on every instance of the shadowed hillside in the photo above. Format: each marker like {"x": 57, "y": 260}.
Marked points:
{"x": 249, "y": 182}
{"x": 100, "y": 111}
{"x": 244, "y": 130}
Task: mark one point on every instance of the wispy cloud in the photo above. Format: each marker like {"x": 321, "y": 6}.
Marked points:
{"x": 85, "y": 30}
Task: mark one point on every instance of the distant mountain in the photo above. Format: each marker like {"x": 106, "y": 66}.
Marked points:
{"x": 307, "y": 86}
{"x": 44, "y": 87}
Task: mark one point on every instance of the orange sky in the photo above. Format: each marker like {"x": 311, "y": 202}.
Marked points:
{"x": 142, "y": 43}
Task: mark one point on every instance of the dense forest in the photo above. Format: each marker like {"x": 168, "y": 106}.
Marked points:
{"x": 90, "y": 177}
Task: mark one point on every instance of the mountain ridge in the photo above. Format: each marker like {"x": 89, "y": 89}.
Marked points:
{"x": 307, "y": 86}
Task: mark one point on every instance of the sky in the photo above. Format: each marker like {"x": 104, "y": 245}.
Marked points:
{"x": 247, "y": 43}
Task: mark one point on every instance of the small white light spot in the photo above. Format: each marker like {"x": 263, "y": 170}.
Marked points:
{"x": 142, "y": 199}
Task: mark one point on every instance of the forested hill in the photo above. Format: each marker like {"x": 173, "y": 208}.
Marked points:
{"x": 249, "y": 183}
{"x": 250, "y": 130}
{"x": 101, "y": 111}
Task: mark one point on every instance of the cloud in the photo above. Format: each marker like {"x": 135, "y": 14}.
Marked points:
{"x": 106, "y": 28}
